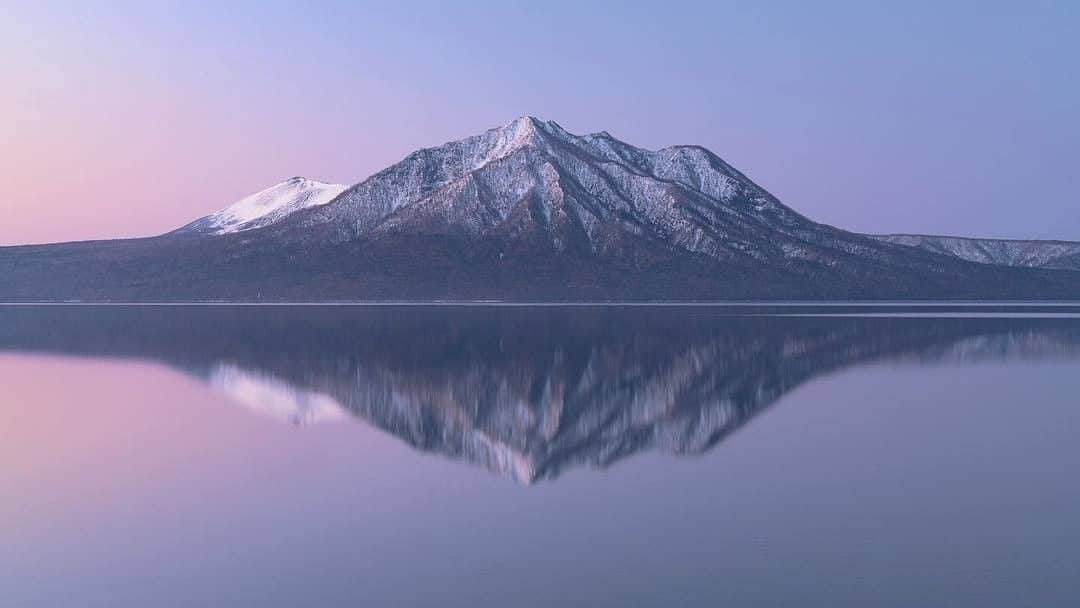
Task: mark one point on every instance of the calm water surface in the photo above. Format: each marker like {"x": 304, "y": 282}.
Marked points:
{"x": 228, "y": 456}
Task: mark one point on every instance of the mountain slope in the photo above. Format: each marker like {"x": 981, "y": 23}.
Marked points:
{"x": 1064, "y": 255}
{"x": 266, "y": 207}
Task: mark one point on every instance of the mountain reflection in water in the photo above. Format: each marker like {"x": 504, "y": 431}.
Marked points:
{"x": 526, "y": 392}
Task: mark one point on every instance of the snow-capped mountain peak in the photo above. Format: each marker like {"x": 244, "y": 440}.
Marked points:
{"x": 500, "y": 142}
{"x": 511, "y": 137}
{"x": 590, "y": 193}
{"x": 267, "y": 207}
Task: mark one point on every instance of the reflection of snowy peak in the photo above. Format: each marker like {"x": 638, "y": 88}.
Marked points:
{"x": 267, "y": 207}
{"x": 562, "y": 410}
{"x": 527, "y": 392}
{"x": 566, "y": 409}
{"x": 267, "y": 395}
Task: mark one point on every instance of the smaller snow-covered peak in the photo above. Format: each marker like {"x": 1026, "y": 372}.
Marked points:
{"x": 268, "y": 206}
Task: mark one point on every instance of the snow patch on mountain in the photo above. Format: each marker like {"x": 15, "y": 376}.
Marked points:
{"x": 268, "y": 206}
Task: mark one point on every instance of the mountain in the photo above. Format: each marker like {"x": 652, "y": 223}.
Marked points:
{"x": 267, "y": 207}
{"x": 532, "y": 187}
{"x": 526, "y": 392}
{"x": 526, "y": 211}
{"x": 1063, "y": 255}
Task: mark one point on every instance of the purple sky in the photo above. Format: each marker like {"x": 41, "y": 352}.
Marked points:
{"x": 132, "y": 118}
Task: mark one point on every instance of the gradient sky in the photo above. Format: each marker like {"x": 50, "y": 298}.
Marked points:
{"x": 132, "y": 118}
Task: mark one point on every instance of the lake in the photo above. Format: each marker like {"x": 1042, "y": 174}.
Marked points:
{"x": 847, "y": 455}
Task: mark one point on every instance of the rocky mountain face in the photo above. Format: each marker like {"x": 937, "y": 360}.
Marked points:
{"x": 1063, "y": 255}
{"x": 526, "y": 211}
{"x": 528, "y": 393}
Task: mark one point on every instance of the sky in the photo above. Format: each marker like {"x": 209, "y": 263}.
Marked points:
{"x": 125, "y": 119}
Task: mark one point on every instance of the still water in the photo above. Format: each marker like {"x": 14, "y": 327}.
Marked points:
{"x": 473, "y": 456}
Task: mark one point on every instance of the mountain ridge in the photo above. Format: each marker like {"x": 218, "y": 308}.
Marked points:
{"x": 1031, "y": 253}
